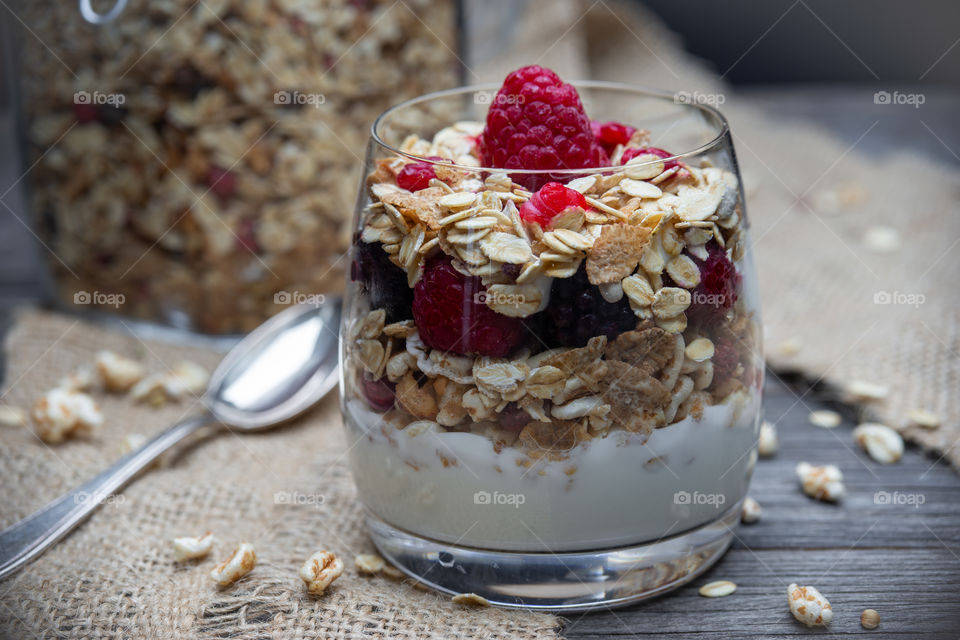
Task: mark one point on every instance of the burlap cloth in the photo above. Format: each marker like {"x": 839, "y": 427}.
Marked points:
{"x": 811, "y": 198}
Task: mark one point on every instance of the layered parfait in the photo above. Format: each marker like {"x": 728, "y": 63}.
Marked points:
{"x": 551, "y": 334}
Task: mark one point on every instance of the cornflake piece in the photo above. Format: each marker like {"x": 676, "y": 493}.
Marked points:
{"x": 863, "y": 390}
{"x": 823, "y": 483}
{"x": 869, "y": 619}
{"x": 809, "y": 606}
{"x": 471, "y": 599}
{"x": 616, "y": 253}
{"x": 239, "y": 564}
{"x": 118, "y": 373}
{"x": 62, "y": 413}
{"x": 188, "y": 548}
{"x": 320, "y": 570}
{"x": 824, "y": 418}
{"x": 751, "y": 511}
{"x": 369, "y": 563}
{"x": 767, "y": 443}
{"x": 12, "y": 416}
{"x": 718, "y": 589}
{"x": 880, "y": 441}
{"x": 923, "y": 418}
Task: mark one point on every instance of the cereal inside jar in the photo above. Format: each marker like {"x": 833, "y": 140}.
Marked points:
{"x": 193, "y": 163}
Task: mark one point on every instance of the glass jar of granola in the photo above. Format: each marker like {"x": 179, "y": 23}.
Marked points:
{"x": 551, "y": 379}
{"x": 193, "y": 163}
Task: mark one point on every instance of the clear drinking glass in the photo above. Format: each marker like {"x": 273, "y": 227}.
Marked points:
{"x": 558, "y": 416}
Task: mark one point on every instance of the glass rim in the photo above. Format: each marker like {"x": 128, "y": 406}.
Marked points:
{"x": 723, "y": 131}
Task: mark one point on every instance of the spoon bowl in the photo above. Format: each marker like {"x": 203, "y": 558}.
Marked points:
{"x": 279, "y": 370}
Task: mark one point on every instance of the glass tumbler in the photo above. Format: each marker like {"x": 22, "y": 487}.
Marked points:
{"x": 551, "y": 381}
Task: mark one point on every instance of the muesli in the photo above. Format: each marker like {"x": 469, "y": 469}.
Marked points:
{"x": 194, "y": 163}
{"x": 562, "y": 324}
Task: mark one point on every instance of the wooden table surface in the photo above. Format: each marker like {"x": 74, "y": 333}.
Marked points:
{"x": 893, "y": 544}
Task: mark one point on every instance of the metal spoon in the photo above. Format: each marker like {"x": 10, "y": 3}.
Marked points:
{"x": 275, "y": 373}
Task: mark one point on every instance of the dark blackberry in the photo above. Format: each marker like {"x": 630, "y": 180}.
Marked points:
{"x": 577, "y": 312}
{"x": 513, "y": 418}
{"x": 383, "y": 281}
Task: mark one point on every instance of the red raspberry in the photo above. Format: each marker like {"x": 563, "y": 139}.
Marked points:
{"x": 221, "y": 181}
{"x": 629, "y": 154}
{"x": 537, "y": 121}
{"x": 610, "y": 134}
{"x": 85, "y": 112}
{"x": 417, "y": 175}
{"x": 450, "y": 315}
{"x": 717, "y": 291}
{"x": 551, "y": 199}
{"x": 379, "y": 393}
{"x": 725, "y": 360}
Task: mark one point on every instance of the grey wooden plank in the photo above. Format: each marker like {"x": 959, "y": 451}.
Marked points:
{"x": 913, "y": 590}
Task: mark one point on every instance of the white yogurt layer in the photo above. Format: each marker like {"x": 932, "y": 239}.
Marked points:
{"x": 613, "y": 491}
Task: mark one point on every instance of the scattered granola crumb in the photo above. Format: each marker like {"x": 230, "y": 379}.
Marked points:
{"x": 862, "y": 390}
{"x": 320, "y": 570}
{"x": 767, "y": 443}
{"x": 186, "y": 378}
{"x": 751, "y": 511}
{"x": 790, "y": 346}
{"x": 369, "y": 563}
{"x": 823, "y": 483}
{"x": 869, "y": 619}
{"x": 471, "y": 599}
{"x": 63, "y": 413}
{"x": 391, "y": 572}
{"x": 923, "y": 418}
{"x": 882, "y": 443}
{"x": 239, "y": 564}
{"x": 825, "y": 418}
{"x": 117, "y": 372}
{"x": 809, "y": 606}
{"x": 188, "y": 548}
{"x": 718, "y": 589}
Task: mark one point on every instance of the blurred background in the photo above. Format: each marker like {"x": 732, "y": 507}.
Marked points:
{"x": 109, "y": 185}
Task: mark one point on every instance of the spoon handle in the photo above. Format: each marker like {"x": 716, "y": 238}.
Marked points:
{"x": 34, "y": 534}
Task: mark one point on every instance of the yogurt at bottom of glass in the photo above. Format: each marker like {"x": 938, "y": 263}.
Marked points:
{"x": 610, "y": 492}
